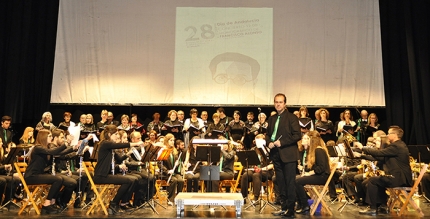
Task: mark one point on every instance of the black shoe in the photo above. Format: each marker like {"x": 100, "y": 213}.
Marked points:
{"x": 383, "y": 210}
{"x": 289, "y": 213}
{"x": 278, "y": 213}
{"x": 277, "y": 202}
{"x": 303, "y": 210}
{"x": 114, "y": 208}
{"x": 368, "y": 211}
{"x": 50, "y": 209}
{"x": 77, "y": 203}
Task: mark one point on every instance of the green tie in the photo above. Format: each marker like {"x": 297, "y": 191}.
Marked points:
{"x": 179, "y": 165}
{"x": 5, "y": 136}
{"x": 72, "y": 165}
{"x": 171, "y": 159}
{"x": 275, "y": 129}
{"x": 220, "y": 163}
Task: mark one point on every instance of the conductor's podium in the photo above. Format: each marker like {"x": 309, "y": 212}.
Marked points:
{"x": 193, "y": 198}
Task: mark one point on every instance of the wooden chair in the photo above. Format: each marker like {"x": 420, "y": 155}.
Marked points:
{"x": 104, "y": 193}
{"x": 317, "y": 193}
{"x": 269, "y": 189}
{"x": 233, "y": 183}
{"x": 404, "y": 196}
{"x": 36, "y": 194}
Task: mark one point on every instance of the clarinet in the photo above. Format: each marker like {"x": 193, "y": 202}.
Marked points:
{"x": 53, "y": 166}
{"x": 68, "y": 168}
{"x": 123, "y": 163}
{"x": 113, "y": 163}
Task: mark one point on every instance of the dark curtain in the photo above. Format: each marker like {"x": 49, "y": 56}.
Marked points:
{"x": 28, "y": 31}
{"x": 405, "y": 54}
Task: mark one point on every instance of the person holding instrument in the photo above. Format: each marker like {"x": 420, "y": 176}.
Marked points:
{"x": 28, "y": 136}
{"x": 317, "y": 168}
{"x": 35, "y": 172}
{"x": 225, "y": 165}
{"x": 193, "y": 173}
{"x": 259, "y": 174}
{"x": 283, "y": 133}
{"x": 137, "y": 167}
{"x": 104, "y": 166}
{"x": 172, "y": 168}
{"x": 397, "y": 169}
{"x": 8, "y": 183}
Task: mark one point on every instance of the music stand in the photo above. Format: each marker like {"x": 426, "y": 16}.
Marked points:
{"x": 211, "y": 154}
{"x": 248, "y": 157}
{"x": 162, "y": 155}
{"x": 341, "y": 151}
{"x": 332, "y": 151}
{"x": 150, "y": 155}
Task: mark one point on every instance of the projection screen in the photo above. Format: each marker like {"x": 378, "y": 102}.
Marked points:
{"x": 225, "y": 52}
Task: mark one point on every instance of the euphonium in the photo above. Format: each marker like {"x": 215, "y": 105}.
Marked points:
{"x": 348, "y": 142}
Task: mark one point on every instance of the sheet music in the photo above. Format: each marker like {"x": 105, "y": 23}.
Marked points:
{"x": 94, "y": 137}
{"x": 75, "y": 131}
{"x": 91, "y": 149}
{"x": 261, "y": 143}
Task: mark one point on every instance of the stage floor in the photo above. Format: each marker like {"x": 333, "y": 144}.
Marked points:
{"x": 350, "y": 211}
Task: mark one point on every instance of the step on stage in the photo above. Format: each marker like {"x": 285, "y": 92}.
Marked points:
{"x": 204, "y": 211}
{"x": 208, "y": 199}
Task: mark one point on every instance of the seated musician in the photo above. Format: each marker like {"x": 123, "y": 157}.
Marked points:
{"x": 378, "y": 141}
{"x": 397, "y": 169}
{"x": 317, "y": 168}
{"x": 8, "y": 182}
{"x": 28, "y": 136}
{"x": 121, "y": 158}
{"x": 172, "y": 169}
{"x": 35, "y": 172}
{"x": 259, "y": 174}
{"x": 192, "y": 173}
{"x": 106, "y": 165}
{"x": 60, "y": 169}
{"x": 425, "y": 184}
{"x": 146, "y": 192}
{"x": 226, "y": 166}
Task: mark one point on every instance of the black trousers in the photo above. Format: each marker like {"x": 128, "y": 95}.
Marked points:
{"x": 286, "y": 179}
{"x": 425, "y": 184}
{"x": 361, "y": 186}
{"x": 376, "y": 187}
{"x": 8, "y": 184}
{"x": 145, "y": 189}
{"x": 301, "y": 181}
{"x": 176, "y": 183}
{"x": 55, "y": 181}
{"x": 192, "y": 182}
{"x": 126, "y": 183}
{"x": 70, "y": 183}
{"x": 256, "y": 179}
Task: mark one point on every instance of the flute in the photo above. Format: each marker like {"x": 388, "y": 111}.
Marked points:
{"x": 176, "y": 165}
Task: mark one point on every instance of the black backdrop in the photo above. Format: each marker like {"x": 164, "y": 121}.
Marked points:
{"x": 27, "y": 48}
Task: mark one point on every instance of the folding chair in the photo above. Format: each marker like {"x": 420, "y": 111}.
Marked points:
{"x": 317, "y": 193}
{"x": 104, "y": 193}
{"x": 404, "y": 195}
{"x": 36, "y": 194}
{"x": 233, "y": 183}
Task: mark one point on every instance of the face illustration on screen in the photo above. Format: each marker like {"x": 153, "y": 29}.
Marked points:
{"x": 234, "y": 74}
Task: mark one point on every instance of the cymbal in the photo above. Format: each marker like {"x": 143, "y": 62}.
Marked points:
{"x": 25, "y": 145}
